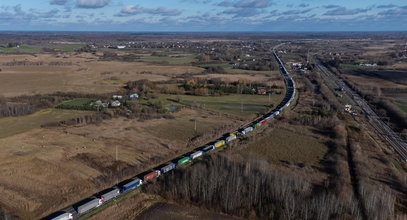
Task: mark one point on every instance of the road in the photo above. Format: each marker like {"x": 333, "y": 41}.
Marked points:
{"x": 385, "y": 131}
{"x": 288, "y": 99}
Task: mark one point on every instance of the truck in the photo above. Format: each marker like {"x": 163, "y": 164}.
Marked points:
{"x": 196, "y": 155}
{"x": 231, "y": 138}
{"x": 133, "y": 184}
{"x": 89, "y": 205}
{"x": 168, "y": 168}
{"x": 183, "y": 160}
{"x": 109, "y": 195}
{"x": 247, "y": 130}
{"x": 219, "y": 143}
{"x": 209, "y": 148}
{"x": 64, "y": 216}
{"x": 152, "y": 175}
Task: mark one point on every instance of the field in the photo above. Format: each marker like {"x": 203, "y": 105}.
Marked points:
{"x": 170, "y": 211}
{"x": 16, "y": 125}
{"x": 47, "y": 169}
{"x": 282, "y": 146}
{"x": 77, "y": 104}
{"x": 85, "y": 74}
{"x": 244, "y": 106}
{"x": 178, "y": 59}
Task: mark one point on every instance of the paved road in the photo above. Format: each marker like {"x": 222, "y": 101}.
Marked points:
{"x": 391, "y": 137}
{"x": 289, "y": 97}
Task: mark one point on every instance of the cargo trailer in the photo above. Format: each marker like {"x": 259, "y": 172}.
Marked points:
{"x": 183, "y": 160}
{"x": 89, "y": 205}
{"x": 168, "y": 168}
{"x": 64, "y": 216}
{"x": 152, "y": 175}
{"x": 133, "y": 184}
{"x": 110, "y": 195}
{"x": 219, "y": 143}
{"x": 247, "y": 130}
{"x": 231, "y": 138}
{"x": 196, "y": 155}
{"x": 209, "y": 148}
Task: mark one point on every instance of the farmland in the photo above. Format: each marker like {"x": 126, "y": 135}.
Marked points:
{"x": 15, "y": 125}
{"x": 282, "y": 146}
{"x": 244, "y": 106}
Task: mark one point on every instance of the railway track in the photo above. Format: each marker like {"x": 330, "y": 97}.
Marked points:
{"x": 382, "y": 129}
{"x": 72, "y": 212}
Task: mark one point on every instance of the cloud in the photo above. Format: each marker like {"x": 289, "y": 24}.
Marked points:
{"x": 135, "y": 9}
{"x": 331, "y": 6}
{"x": 225, "y": 3}
{"x": 92, "y": 3}
{"x": 296, "y": 12}
{"x": 341, "y": 11}
{"x": 241, "y": 12}
{"x": 252, "y": 4}
{"x": 303, "y": 5}
{"x": 58, "y": 2}
{"x": 387, "y": 6}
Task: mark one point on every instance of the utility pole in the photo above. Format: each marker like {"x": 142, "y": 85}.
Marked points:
{"x": 195, "y": 125}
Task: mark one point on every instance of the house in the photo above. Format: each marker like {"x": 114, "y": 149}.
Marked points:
{"x": 348, "y": 108}
{"x": 115, "y": 104}
{"x": 99, "y": 104}
{"x": 261, "y": 91}
{"x": 134, "y": 96}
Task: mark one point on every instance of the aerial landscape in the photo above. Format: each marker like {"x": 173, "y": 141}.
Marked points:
{"x": 203, "y": 109}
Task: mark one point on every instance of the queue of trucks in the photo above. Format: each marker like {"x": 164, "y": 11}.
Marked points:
{"x": 136, "y": 182}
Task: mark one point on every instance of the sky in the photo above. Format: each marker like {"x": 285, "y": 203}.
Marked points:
{"x": 203, "y": 15}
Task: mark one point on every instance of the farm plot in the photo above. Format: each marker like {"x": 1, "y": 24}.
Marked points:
{"x": 15, "y": 125}
{"x": 81, "y": 73}
{"x": 286, "y": 146}
{"x": 243, "y": 106}
{"x": 58, "y": 166}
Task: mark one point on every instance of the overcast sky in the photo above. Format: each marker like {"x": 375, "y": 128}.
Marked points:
{"x": 203, "y": 15}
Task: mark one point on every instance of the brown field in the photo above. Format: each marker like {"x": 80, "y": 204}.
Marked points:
{"x": 247, "y": 77}
{"x": 44, "y": 170}
{"x": 83, "y": 76}
{"x": 284, "y": 146}
{"x": 170, "y": 211}
{"x": 373, "y": 82}
{"x": 142, "y": 206}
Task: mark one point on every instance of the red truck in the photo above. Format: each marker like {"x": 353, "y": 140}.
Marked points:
{"x": 152, "y": 175}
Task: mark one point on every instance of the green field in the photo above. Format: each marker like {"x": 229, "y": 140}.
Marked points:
{"x": 15, "y": 125}
{"x": 21, "y": 49}
{"x": 403, "y": 107}
{"x": 182, "y": 59}
{"x": 283, "y": 145}
{"x": 244, "y": 106}
{"x": 71, "y": 48}
{"x": 77, "y": 104}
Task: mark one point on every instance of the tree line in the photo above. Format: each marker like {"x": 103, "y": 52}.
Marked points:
{"x": 252, "y": 187}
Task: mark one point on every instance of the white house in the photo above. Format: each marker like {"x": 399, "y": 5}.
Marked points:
{"x": 134, "y": 96}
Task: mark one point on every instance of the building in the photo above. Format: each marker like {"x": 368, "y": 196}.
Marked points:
{"x": 261, "y": 91}
{"x": 115, "y": 104}
{"x": 134, "y": 96}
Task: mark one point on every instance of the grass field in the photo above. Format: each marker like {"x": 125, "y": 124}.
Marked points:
{"x": 283, "y": 145}
{"x": 21, "y": 49}
{"x": 77, "y": 104}
{"x": 179, "y": 59}
{"x": 403, "y": 107}
{"x": 244, "y": 106}
{"x": 15, "y": 125}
